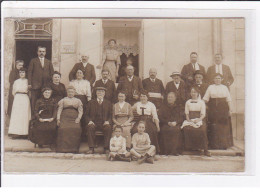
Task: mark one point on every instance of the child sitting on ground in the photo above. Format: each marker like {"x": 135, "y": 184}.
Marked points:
{"x": 118, "y": 146}
{"x": 142, "y": 150}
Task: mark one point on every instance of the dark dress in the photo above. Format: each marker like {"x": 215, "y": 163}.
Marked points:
{"x": 14, "y": 75}
{"x": 58, "y": 91}
{"x": 44, "y": 133}
{"x": 69, "y": 132}
{"x": 220, "y": 128}
{"x": 148, "y": 115}
{"x": 171, "y": 138}
{"x": 195, "y": 138}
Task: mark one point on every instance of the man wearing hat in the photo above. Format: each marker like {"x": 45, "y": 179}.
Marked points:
{"x": 199, "y": 83}
{"x": 89, "y": 70}
{"x": 189, "y": 69}
{"x": 178, "y": 87}
{"x": 154, "y": 87}
{"x": 99, "y": 117}
{"x": 106, "y": 83}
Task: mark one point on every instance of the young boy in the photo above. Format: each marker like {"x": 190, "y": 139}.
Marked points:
{"x": 141, "y": 145}
{"x": 118, "y": 146}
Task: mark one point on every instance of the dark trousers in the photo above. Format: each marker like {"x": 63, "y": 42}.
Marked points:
{"x": 91, "y": 132}
{"x": 35, "y": 95}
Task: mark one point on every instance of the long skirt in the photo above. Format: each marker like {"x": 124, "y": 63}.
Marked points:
{"x": 111, "y": 66}
{"x": 220, "y": 129}
{"x": 171, "y": 140}
{"x": 150, "y": 128}
{"x": 69, "y": 132}
{"x": 20, "y": 116}
{"x": 43, "y": 133}
{"x": 195, "y": 138}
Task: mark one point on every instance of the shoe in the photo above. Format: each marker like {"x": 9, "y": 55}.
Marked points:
{"x": 122, "y": 158}
{"x": 207, "y": 153}
{"x": 150, "y": 160}
{"x": 90, "y": 151}
{"x": 142, "y": 160}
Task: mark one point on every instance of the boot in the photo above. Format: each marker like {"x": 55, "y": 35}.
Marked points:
{"x": 150, "y": 160}
{"x": 123, "y": 158}
{"x": 207, "y": 153}
{"x": 90, "y": 151}
{"x": 142, "y": 159}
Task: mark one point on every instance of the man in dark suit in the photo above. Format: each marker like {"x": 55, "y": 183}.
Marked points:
{"x": 39, "y": 75}
{"x": 178, "y": 87}
{"x": 108, "y": 84}
{"x": 224, "y": 70}
{"x": 199, "y": 83}
{"x": 154, "y": 87}
{"x": 89, "y": 70}
{"x": 99, "y": 117}
{"x": 189, "y": 69}
{"x": 131, "y": 84}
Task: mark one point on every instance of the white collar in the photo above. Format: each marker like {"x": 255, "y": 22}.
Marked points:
{"x": 130, "y": 77}
{"x": 219, "y": 64}
{"x": 176, "y": 83}
{"x": 104, "y": 81}
{"x": 153, "y": 80}
{"x": 100, "y": 99}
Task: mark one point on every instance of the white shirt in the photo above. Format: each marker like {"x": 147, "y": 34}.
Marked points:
{"x": 42, "y": 61}
{"x": 82, "y": 87}
{"x": 152, "y": 80}
{"x": 196, "y": 65}
{"x": 100, "y": 101}
{"x": 150, "y": 109}
{"x": 217, "y": 91}
{"x": 195, "y": 105}
{"x": 177, "y": 85}
{"x": 121, "y": 104}
{"x": 84, "y": 64}
{"x": 219, "y": 68}
{"x": 130, "y": 78}
{"x": 104, "y": 81}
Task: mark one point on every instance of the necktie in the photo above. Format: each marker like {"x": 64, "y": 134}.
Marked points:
{"x": 142, "y": 110}
{"x": 42, "y": 63}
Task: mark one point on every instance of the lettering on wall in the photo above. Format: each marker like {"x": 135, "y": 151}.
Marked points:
{"x": 68, "y": 47}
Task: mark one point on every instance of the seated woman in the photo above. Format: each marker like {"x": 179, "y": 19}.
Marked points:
{"x": 70, "y": 111}
{"x": 123, "y": 115}
{"x": 146, "y": 111}
{"x": 194, "y": 127}
{"x": 21, "y": 109}
{"x": 219, "y": 103}
{"x": 58, "y": 89}
{"x": 171, "y": 118}
{"x": 44, "y": 128}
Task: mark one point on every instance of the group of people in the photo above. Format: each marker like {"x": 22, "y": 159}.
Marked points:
{"x": 138, "y": 118}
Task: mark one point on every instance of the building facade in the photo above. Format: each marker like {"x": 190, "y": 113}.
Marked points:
{"x": 164, "y": 44}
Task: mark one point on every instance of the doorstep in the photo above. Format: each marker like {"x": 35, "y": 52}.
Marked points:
{"x": 23, "y": 145}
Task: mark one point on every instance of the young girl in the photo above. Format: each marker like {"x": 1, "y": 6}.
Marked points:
{"x": 118, "y": 146}
{"x": 21, "y": 110}
{"x": 142, "y": 148}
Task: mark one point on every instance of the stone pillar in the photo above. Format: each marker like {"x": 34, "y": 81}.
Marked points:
{"x": 9, "y": 47}
{"x": 216, "y": 36}
{"x": 56, "y": 38}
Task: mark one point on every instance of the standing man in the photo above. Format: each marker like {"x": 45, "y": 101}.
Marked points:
{"x": 131, "y": 84}
{"x": 39, "y": 75}
{"x": 154, "y": 87}
{"x": 189, "y": 69}
{"x": 178, "y": 87}
{"x": 108, "y": 84}
{"x": 89, "y": 70}
{"x": 224, "y": 70}
{"x": 99, "y": 117}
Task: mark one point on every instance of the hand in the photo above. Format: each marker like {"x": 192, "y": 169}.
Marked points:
{"x": 174, "y": 124}
{"x": 126, "y": 123}
{"x": 106, "y": 123}
{"x": 117, "y": 73}
{"x": 190, "y": 78}
{"x": 29, "y": 87}
{"x": 91, "y": 123}
{"x": 77, "y": 120}
{"x": 41, "y": 120}
{"x": 135, "y": 96}
{"x": 228, "y": 83}
{"x": 51, "y": 119}
{"x": 158, "y": 129}
{"x": 197, "y": 120}
{"x": 58, "y": 122}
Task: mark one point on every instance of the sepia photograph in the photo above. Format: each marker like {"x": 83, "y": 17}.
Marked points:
{"x": 123, "y": 95}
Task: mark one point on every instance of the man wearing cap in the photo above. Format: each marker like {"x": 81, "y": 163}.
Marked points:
{"x": 199, "y": 83}
{"x": 189, "y": 69}
{"x": 40, "y": 72}
{"x": 224, "y": 70}
{"x": 178, "y": 87}
{"x": 89, "y": 70}
{"x": 131, "y": 84}
{"x": 154, "y": 87}
{"x": 99, "y": 118}
{"x": 106, "y": 83}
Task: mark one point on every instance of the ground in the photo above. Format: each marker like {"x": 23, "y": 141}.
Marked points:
{"x": 44, "y": 162}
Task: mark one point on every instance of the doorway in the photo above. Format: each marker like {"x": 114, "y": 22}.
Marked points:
{"x": 27, "y": 49}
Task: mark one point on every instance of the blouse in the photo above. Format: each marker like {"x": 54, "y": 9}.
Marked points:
{"x": 149, "y": 109}
{"x": 20, "y": 85}
{"x": 112, "y": 55}
{"x": 140, "y": 140}
{"x": 82, "y": 87}
{"x": 118, "y": 142}
{"x": 70, "y": 102}
{"x": 122, "y": 110}
{"x": 217, "y": 91}
{"x": 195, "y": 105}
